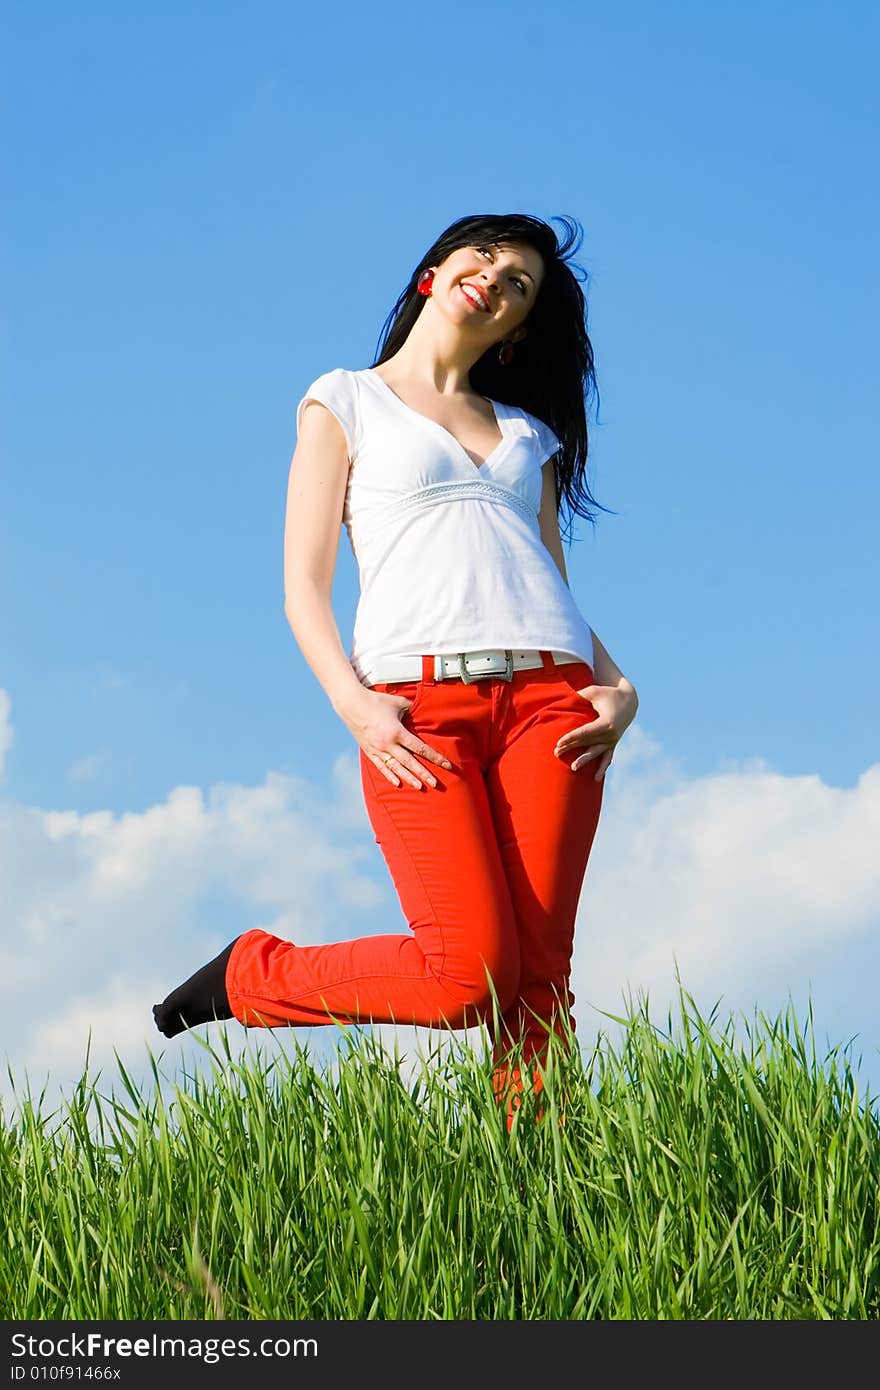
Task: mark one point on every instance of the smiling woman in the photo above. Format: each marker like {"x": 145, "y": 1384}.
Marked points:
{"x": 472, "y": 670}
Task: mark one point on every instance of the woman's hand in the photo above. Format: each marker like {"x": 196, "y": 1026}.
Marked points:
{"x": 375, "y": 720}
{"x": 616, "y": 707}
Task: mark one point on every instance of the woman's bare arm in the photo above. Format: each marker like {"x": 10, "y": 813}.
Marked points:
{"x": 548, "y": 520}
{"x": 606, "y": 671}
{"x": 312, "y": 528}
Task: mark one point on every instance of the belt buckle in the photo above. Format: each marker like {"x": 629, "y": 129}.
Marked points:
{"x": 469, "y": 678}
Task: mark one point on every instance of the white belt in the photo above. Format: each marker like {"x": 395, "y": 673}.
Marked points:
{"x": 498, "y": 662}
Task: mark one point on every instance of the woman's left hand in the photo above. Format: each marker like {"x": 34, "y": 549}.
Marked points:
{"x": 616, "y": 707}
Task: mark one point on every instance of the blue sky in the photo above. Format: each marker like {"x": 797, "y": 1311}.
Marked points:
{"x": 209, "y": 205}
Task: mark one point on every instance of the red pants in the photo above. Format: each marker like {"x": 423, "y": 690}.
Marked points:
{"x": 488, "y": 867}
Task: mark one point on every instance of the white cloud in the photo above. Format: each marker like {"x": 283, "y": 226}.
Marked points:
{"x": 113, "y": 1016}
{"x": 743, "y": 878}
{"x": 753, "y": 882}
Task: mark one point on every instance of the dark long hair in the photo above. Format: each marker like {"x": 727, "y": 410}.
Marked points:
{"x": 552, "y": 374}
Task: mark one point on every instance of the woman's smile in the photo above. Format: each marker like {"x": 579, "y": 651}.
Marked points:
{"x": 474, "y": 297}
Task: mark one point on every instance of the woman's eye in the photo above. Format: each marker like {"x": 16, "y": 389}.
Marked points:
{"x": 517, "y": 280}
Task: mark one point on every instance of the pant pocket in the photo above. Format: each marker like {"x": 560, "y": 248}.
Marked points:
{"x": 410, "y": 690}
{"x": 577, "y": 675}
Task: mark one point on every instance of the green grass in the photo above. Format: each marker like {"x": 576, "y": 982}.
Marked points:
{"x": 689, "y": 1177}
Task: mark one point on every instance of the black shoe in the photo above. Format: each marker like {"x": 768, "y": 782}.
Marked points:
{"x": 200, "y": 999}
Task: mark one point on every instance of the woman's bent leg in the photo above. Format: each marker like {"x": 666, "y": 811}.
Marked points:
{"x": 440, "y": 847}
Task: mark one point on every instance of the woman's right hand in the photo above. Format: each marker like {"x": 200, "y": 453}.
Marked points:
{"x": 375, "y": 721}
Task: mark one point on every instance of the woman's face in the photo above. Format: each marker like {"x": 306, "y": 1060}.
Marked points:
{"x": 489, "y": 288}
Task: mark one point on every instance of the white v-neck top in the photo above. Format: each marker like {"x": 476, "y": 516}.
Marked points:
{"x": 449, "y": 553}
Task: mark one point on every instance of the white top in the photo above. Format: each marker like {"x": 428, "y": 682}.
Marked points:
{"x": 450, "y": 554}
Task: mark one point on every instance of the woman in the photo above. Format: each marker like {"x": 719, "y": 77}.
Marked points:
{"x": 486, "y": 710}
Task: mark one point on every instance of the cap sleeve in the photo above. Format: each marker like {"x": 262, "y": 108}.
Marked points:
{"x": 548, "y": 443}
{"x": 544, "y": 442}
{"x": 337, "y": 391}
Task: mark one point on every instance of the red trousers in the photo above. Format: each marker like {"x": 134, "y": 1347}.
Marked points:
{"x": 488, "y": 866}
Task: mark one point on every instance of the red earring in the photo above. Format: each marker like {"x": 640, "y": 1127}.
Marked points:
{"x": 505, "y": 354}
{"x": 426, "y": 280}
